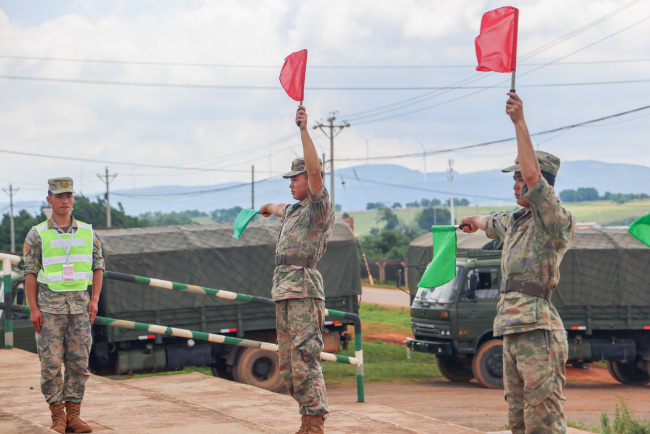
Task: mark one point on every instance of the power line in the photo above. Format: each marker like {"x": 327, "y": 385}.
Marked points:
{"x": 121, "y": 163}
{"x": 412, "y": 187}
{"x": 313, "y": 88}
{"x": 198, "y": 192}
{"x": 410, "y": 101}
{"x": 493, "y": 142}
{"x": 253, "y": 66}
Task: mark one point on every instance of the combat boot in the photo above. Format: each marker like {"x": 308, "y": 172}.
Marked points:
{"x": 58, "y": 417}
{"x": 315, "y": 425}
{"x": 75, "y": 424}
{"x": 303, "y": 422}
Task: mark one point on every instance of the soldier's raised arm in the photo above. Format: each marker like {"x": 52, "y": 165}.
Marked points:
{"x": 530, "y": 171}
{"x": 312, "y": 163}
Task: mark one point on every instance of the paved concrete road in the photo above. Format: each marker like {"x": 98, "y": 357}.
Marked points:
{"x": 385, "y": 297}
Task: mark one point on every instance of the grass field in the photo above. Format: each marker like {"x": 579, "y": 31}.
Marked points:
{"x": 604, "y": 212}
{"x": 383, "y": 363}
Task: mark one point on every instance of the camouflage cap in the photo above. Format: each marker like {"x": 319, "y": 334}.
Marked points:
{"x": 298, "y": 166}
{"x": 60, "y": 185}
{"x": 548, "y": 163}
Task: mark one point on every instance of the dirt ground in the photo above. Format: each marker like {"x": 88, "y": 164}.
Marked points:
{"x": 588, "y": 393}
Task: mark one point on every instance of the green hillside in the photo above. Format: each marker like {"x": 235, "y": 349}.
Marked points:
{"x": 607, "y": 213}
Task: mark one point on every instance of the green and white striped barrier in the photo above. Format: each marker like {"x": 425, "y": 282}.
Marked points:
{"x": 190, "y": 334}
{"x": 7, "y": 260}
{"x": 8, "y": 307}
{"x": 228, "y": 295}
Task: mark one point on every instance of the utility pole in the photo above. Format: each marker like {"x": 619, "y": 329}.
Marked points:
{"x": 11, "y": 216}
{"x": 424, "y": 159}
{"x": 253, "y": 186}
{"x": 450, "y": 177}
{"x": 107, "y": 179}
{"x": 334, "y": 130}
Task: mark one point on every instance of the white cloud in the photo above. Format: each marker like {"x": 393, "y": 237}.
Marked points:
{"x": 236, "y": 128}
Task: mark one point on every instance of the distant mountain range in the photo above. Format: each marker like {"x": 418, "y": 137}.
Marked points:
{"x": 387, "y": 183}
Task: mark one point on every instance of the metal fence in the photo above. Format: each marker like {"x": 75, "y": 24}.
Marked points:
{"x": 357, "y": 361}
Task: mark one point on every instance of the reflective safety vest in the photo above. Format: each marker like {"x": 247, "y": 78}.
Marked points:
{"x": 62, "y": 249}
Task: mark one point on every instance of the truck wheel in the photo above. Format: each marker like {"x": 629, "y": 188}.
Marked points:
{"x": 610, "y": 368}
{"x": 629, "y": 372}
{"x": 487, "y": 364}
{"x": 220, "y": 369}
{"x": 453, "y": 368}
{"x": 260, "y": 368}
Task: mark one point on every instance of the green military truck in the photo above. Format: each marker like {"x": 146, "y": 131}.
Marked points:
{"x": 209, "y": 256}
{"x": 603, "y": 298}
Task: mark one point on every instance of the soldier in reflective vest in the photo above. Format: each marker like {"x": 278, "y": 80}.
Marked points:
{"x": 62, "y": 257}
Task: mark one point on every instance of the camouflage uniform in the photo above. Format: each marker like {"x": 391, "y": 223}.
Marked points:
{"x": 300, "y": 300}
{"x": 65, "y": 333}
{"x": 535, "y": 347}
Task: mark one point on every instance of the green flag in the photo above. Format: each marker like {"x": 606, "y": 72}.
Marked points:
{"x": 242, "y": 220}
{"x": 443, "y": 265}
{"x": 640, "y": 228}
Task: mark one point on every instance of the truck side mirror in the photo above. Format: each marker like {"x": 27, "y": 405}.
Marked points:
{"x": 471, "y": 289}
{"x": 398, "y": 275}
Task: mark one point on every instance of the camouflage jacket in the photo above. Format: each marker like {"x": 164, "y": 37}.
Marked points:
{"x": 306, "y": 227}
{"x": 534, "y": 243}
{"x": 68, "y": 302}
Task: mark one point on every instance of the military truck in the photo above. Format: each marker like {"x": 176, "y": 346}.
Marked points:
{"x": 603, "y": 298}
{"x": 209, "y": 256}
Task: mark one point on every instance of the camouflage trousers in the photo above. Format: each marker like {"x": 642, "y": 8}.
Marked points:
{"x": 534, "y": 375}
{"x": 64, "y": 338}
{"x": 299, "y": 323}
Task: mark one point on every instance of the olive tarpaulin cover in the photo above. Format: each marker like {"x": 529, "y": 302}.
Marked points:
{"x": 209, "y": 256}
{"x": 603, "y": 267}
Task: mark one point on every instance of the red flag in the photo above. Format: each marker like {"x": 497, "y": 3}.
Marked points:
{"x": 496, "y": 45}
{"x": 292, "y": 76}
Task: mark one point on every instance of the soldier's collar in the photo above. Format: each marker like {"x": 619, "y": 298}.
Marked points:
{"x": 52, "y": 224}
{"x": 519, "y": 213}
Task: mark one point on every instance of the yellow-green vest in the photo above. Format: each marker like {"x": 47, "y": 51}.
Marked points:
{"x": 54, "y": 257}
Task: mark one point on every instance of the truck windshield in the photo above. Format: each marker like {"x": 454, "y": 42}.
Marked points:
{"x": 441, "y": 294}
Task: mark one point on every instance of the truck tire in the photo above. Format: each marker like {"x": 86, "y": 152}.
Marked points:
{"x": 487, "y": 364}
{"x": 260, "y": 368}
{"x": 610, "y": 368}
{"x": 453, "y": 369}
{"x": 220, "y": 369}
{"x": 629, "y": 372}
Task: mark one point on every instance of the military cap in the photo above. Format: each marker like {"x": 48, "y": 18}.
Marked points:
{"x": 548, "y": 163}
{"x": 60, "y": 185}
{"x": 298, "y": 166}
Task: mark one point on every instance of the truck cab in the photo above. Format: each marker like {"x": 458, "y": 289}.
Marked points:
{"x": 454, "y": 320}
{"x": 603, "y": 298}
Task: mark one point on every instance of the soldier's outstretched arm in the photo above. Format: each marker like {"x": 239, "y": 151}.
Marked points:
{"x": 309, "y": 151}
{"x": 473, "y": 223}
{"x": 530, "y": 171}
{"x": 272, "y": 209}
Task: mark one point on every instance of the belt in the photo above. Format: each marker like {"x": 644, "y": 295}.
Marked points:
{"x": 533, "y": 289}
{"x": 308, "y": 262}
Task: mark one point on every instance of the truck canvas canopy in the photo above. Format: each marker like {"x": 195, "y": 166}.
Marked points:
{"x": 603, "y": 267}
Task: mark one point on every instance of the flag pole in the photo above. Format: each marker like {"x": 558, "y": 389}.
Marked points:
{"x": 512, "y": 82}
{"x": 298, "y": 123}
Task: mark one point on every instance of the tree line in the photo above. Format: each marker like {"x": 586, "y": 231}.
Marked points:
{"x": 424, "y": 203}
{"x": 94, "y": 213}
{"x": 587, "y": 194}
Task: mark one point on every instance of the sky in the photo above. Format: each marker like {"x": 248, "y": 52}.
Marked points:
{"x": 187, "y": 92}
